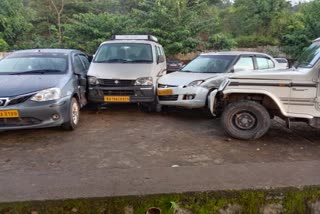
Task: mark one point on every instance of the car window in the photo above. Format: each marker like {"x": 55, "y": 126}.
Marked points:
{"x": 244, "y": 63}
{"x": 78, "y": 65}
{"x": 85, "y": 61}
{"x": 157, "y": 51}
{"x": 280, "y": 60}
{"x": 264, "y": 63}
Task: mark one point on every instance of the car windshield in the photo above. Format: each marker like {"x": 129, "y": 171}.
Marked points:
{"x": 31, "y": 64}
{"x": 124, "y": 53}
{"x": 310, "y": 56}
{"x": 209, "y": 64}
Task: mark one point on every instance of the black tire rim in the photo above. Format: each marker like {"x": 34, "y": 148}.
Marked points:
{"x": 244, "y": 120}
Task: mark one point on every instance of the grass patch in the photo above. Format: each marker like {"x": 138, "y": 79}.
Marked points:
{"x": 293, "y": 200}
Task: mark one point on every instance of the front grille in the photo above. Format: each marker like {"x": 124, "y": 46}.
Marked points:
{"x": 118, "y": 92}
{"x": 166, "y": 86}
{"x": 24, "y": 121}
{"x": 116, "y": 83}
{"x": 19, "y": 100}
{"x": 169, "y": 98}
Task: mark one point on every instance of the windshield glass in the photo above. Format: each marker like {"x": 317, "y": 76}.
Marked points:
{"x": 310, "y": 56}
{"x": 28, "y": 64}
{"x": 209, "y": 64}
{"x": 124, "y": 53}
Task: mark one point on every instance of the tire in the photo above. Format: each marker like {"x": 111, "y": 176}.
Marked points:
{"x": 149, "y": 107}
{"x": 74, "y": 116}
{"x": 246, "y": 120}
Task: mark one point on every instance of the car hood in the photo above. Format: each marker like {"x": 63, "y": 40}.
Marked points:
{"x": 14, "y": 85}
{"x": 281, "y": 74}
{"x": 120, "y": 71}
{"x": 184, "y": 78}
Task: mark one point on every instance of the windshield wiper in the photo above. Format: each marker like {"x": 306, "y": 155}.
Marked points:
{"x": 141, "y": 60}
{"x": 115, "y": 60}
{"x": 37, "y": 72}
{"x": 188, "y": 71}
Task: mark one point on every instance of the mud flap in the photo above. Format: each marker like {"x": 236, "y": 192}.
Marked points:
{"x": 212, "y": 99}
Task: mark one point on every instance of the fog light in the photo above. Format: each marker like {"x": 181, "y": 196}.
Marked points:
{"x": 189, "y": 97}
{"x": 55, "y": 116}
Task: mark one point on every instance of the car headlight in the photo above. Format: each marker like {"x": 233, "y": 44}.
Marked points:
{"x": 223, "y": 85}
{"x": 195, "y": 83}
{"x": 144, "y": 81}
{"x": 93, "y": 81}
{"x": 47, "y": 95}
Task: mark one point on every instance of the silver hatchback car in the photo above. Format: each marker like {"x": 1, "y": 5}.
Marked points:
{"x": 42, "y": 88}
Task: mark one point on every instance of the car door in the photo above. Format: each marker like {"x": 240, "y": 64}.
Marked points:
{"x": 80, "y": 68}
{"x": 303, "y": 98}
{"x": 161, "y": 61}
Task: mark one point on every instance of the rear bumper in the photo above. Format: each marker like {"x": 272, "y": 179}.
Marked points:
{"x": 136, "y": 94}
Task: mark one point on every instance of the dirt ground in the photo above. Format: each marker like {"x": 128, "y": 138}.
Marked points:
{"x": 122, "y": 138}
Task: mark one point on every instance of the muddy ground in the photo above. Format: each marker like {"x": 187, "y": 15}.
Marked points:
{"x": 118, "y": 139}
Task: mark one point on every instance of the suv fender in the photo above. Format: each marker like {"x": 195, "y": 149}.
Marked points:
{"x": 227, "y": 92}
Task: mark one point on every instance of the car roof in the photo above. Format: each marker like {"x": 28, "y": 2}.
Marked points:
{"x": 236, "y": 53}
{"x": 46, "y": 50}
{"x": 317, "y": 40}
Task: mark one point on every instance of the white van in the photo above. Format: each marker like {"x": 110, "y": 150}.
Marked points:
{"x": 126, "y": 70}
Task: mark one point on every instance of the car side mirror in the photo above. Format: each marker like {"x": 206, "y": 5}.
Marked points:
{"x": 160, "y": 59}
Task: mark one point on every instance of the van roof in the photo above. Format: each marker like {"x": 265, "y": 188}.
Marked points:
{"x": 130, "y": 41}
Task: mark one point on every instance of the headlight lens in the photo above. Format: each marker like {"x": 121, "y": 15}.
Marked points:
{"x": 144, "y": 81}
{"x": 47, "y": 94}
{"x": 93, "y": 81}
{"x": 196, "y": 83}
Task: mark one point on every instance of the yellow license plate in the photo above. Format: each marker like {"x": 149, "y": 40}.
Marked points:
{"x": 164, "y": 92}
{"x": 117, "y": 99}
{"x": 9, "y": 114}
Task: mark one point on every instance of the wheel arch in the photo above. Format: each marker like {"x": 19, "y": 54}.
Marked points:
{"x": 269, "y": 101}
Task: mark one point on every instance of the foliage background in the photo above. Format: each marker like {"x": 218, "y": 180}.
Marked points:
{"x": 182, "y": 26}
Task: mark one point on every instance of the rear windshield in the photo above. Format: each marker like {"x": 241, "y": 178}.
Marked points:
{"x": 209, "y": 64}
{"x": 44, "y": 64}
{"x": 310, "y": 56}
{"x": 280, "y": 60}
{"x": 124, "y": 53}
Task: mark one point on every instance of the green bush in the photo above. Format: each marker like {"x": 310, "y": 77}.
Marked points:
{"x": 255, "y": 41}
{"x": 3, "y": 45}
{"x": 221, "y": 41}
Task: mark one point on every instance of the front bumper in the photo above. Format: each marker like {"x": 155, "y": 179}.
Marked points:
{"x": 136, "y": 94}
{"x": 37, "y": 114}
{"x": 188, "y": 97}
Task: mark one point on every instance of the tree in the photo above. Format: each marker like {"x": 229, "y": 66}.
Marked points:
{"x": 58, "y": 6}
{"x": 14, "y": 25}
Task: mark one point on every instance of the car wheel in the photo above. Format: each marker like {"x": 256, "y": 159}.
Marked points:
{"x": 246, "y": 120}
{"x": 149, "y": 107}
{"x": 74, "y": 115}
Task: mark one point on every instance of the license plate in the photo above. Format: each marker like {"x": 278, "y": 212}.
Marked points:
{"x": 9, "y": 114}
{"x": 164, "y": 92}
{"x": 117, "y": 99}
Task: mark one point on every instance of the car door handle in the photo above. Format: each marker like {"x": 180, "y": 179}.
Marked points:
{"x": 297, "y": 89}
